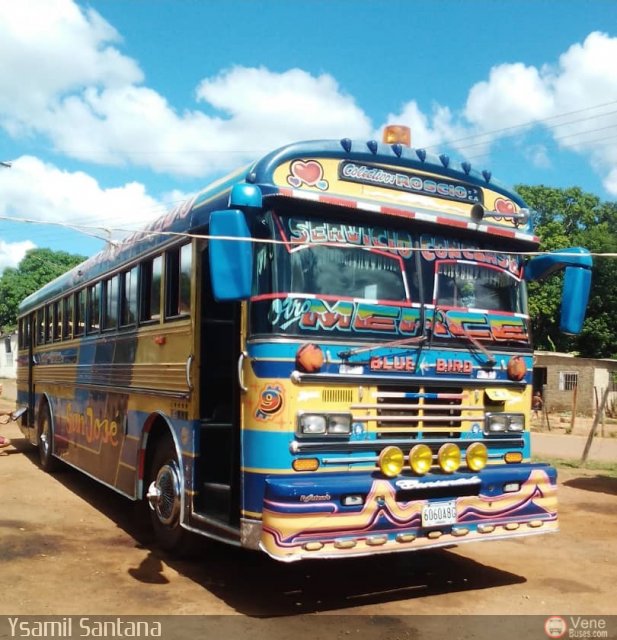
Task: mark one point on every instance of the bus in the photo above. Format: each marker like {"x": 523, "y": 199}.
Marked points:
{"x": 325, "y": 354}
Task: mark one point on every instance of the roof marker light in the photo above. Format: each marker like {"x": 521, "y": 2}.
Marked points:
{"x": 398, "y": 149}
{"x": 372, "y": 145}
{"x": 397, "y": 134}
{"x": 487, "y": 175}
{"x": 466, "y": 167}
{"x": 346, "y": 144}
{"x": 445, "y": 160}
{"x": 421, "y": 153}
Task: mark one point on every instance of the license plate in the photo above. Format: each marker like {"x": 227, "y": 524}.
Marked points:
{"x": 439, "y": 513}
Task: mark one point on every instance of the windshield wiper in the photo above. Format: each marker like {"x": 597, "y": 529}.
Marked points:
{"x": 490, "y": 358}
{"x": 345, "y": 355}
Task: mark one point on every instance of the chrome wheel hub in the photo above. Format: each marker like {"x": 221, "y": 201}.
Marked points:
{"x": 164, "y": 494}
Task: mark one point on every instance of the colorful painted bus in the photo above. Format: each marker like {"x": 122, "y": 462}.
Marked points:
{"x": 326, "y": 354}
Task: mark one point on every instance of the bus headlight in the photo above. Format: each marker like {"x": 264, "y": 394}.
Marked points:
{"x": 449, "y": 457}
{"x": 476, "y": 456}
{"x": 502, "y": 422}
{"x": 339, "y": 424}
{"x": 391, "y": 461}
{"x": 315, "y": 424}
{"x": 312, "y": 424}
{"x": 421, "y": 459}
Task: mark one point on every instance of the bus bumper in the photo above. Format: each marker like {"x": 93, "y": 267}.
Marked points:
{"x": 343, "y": 515}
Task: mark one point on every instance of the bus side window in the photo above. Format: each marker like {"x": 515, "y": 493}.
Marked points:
{"x": 94, "y": 308}
{"x": 110, "y": 303}
{"x": 178, "y": 281}
{"x": 80, "y": 312}
{"x": 67, "y": 318}
{"x": 57, "y": 321}
{"x": 128, "y": 297}
{"x": 150, "y": 289}
{"x": 49, "y": 323}
{"x": 40, "y": 326}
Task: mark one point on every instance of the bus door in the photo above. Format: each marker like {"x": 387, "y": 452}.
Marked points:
{"x": 29, "y": 418}
{"x": 218, "y": 474}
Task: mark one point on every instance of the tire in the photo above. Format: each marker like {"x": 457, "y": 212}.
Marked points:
{"x": 164, "y": 497}
{"x": 45, "y": 441}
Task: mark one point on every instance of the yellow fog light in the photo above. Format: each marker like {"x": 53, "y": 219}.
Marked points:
{"x": 476, "y": 456}
{"x": 449, "y": 457}
{"x": 421, "y": 459}
{"x": 391, "y": 461}
{"x": 305, "y": 464}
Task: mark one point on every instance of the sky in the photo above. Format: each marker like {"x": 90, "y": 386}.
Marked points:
{"x": 112, "y": 111}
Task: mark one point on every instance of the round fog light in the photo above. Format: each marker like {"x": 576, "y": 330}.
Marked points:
{"x": 476, "y": 456}
{"x": 391, "y": 461}
{"x": 449, "y": 457}
{"x": 421, "y": 459}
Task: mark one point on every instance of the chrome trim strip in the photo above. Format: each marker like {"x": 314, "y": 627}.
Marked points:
{"x": 372, "y": 445}
{"x": 298, "y": 377}
{"x": 417, "y": 407}
{"x": 349, "y": 460}
{"x": 127, "y": 389}
{"x": 424, "y": 418}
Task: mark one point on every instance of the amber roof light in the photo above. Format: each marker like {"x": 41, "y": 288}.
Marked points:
{"x": 397, "y": 134}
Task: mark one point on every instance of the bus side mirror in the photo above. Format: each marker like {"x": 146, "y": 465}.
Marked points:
{"x": 574, "y": 298}
{"x": 231, "y": 257}
{"x": 577, "y": 263}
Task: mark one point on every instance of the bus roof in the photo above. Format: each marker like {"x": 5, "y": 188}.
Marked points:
{"x": 367, "y": 175}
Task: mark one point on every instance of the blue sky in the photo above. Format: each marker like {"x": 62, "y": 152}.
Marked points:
{"x": 111, "y": 111}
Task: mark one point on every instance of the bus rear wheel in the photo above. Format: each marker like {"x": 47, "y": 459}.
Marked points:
{"x": 46, "y": 441}
{"x": 164, "y": 497}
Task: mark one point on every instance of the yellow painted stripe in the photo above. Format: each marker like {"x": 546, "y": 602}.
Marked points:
{"x": 251, "y": 514}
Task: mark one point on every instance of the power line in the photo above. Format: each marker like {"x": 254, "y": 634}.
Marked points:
{"x": 530, "y": 123}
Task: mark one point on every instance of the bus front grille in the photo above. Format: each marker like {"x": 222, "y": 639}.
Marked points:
{"x": 432, "y": 411}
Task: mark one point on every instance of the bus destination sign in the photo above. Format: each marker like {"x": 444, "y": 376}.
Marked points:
{"x": 409, "y": 182}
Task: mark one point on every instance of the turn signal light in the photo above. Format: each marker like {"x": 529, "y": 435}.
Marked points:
{"x": 305, "y": 464}
{"x": 513, "y": 457}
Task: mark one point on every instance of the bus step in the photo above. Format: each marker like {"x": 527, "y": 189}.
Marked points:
{"x": 215, "y": 500}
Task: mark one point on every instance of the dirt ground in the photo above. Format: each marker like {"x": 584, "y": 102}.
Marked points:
{"x": 69, "y": 546}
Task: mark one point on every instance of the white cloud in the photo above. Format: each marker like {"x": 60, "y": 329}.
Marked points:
{"x": 87, "y": 97}
{"x": 64, "y": 76}
{"x": 12, "y": 253}
{"x": 584, "y": 77}
{"x": 34, "y": 190}
{"x": 49, "y": 48}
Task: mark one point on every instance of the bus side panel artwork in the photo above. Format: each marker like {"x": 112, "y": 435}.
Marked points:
{"x": 91, "y": 433}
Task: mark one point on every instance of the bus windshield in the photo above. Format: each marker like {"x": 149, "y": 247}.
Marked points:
{"x": 361, "y": 281}
{"x": 346, "y": 272}
{"x": 467, "y": 284}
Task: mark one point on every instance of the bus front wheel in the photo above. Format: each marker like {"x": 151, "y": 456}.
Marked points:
{"x": 164, "y": 497}
{"x": 46, "y": 441}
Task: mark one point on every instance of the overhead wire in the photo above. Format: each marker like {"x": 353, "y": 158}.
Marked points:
{"x": 145, "y": 233}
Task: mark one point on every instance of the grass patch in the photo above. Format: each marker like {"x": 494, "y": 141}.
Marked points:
{"x": 607, "y": 468}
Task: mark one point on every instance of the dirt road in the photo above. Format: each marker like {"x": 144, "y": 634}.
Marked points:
{"x": 70, "y": 546}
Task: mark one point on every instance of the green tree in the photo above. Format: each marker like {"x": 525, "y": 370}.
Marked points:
{"x": 37, "y": 268}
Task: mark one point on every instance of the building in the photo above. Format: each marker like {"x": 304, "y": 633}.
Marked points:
{"x": 8, "y": 355}
{"x": 557, "y": 375}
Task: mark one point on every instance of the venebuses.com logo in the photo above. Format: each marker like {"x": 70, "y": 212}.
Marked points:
{"x": 575, "y": 627}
